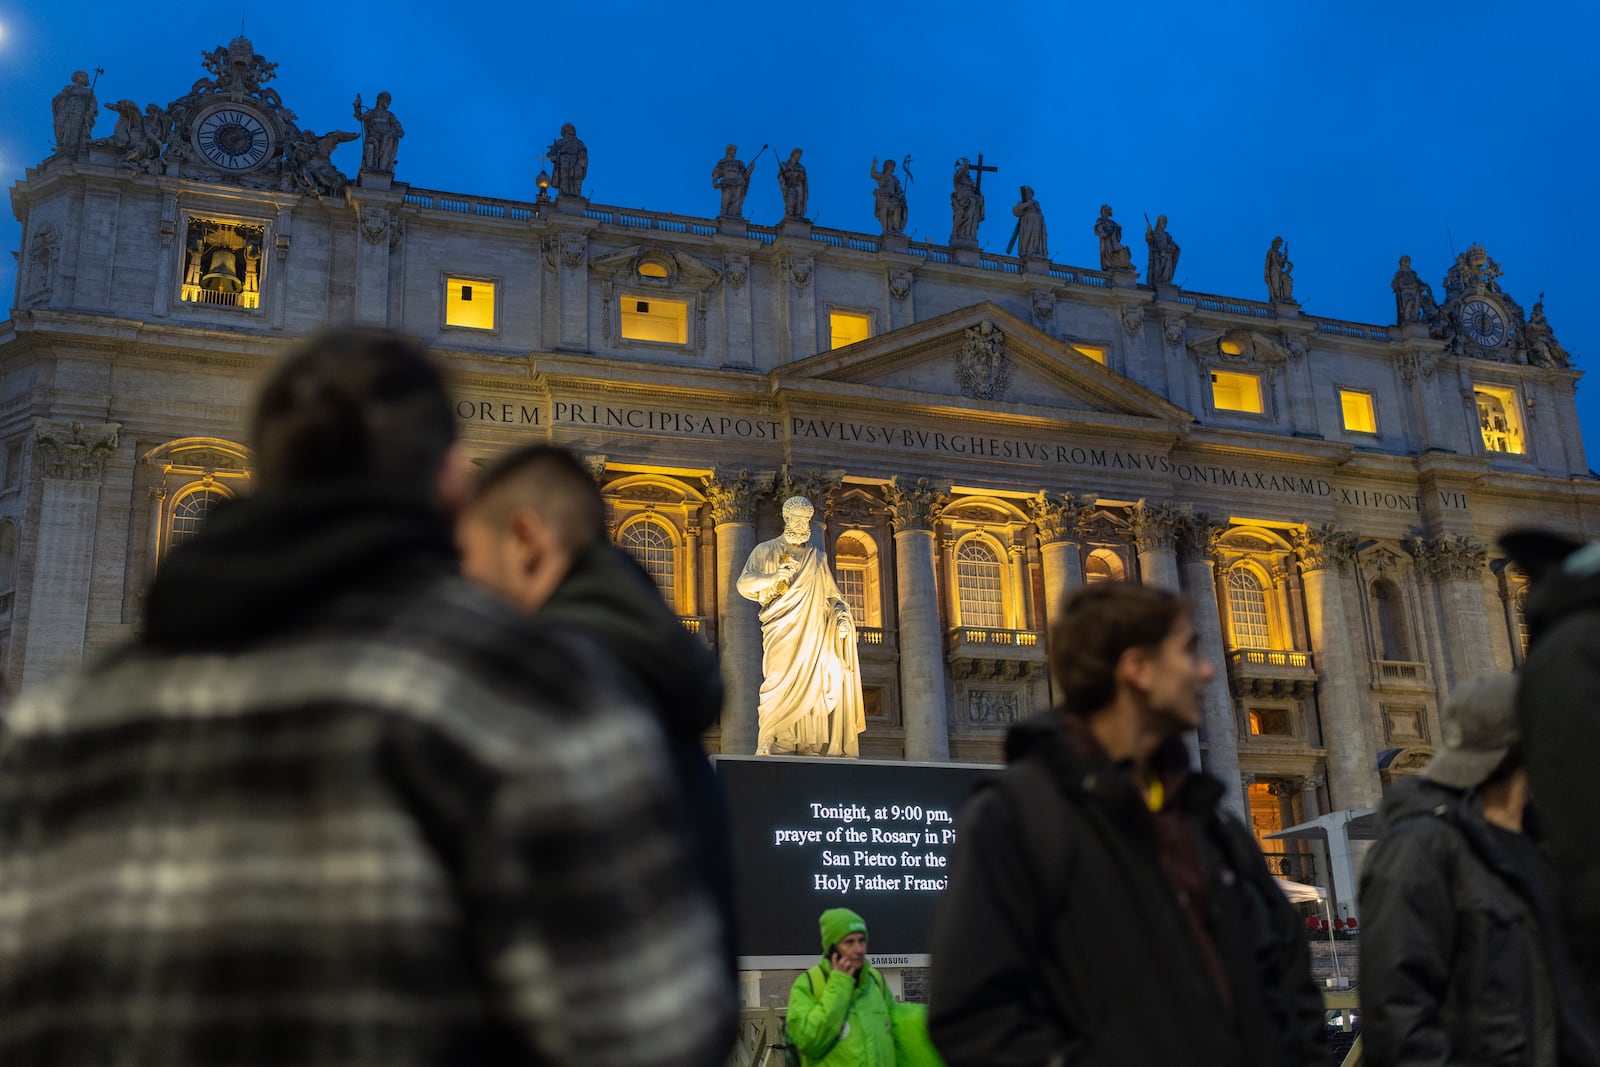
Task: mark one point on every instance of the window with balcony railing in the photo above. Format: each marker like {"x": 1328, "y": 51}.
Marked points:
{"x": 651, "y": 545}
{"x": 978, "y": 585}
{"x": 1247, "y": 610}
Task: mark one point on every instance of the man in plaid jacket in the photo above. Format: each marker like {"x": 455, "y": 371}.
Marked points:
{"x": 335, "y": 805}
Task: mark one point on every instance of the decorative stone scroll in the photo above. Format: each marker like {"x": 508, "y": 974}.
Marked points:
{"x": 735, "y": 497}
{"x": 1063, "y": 519}
{"x": 1155, "y": 527}
{"x": 1448, "y": 557}
{"x": 1198, "y": 536}
{"x": 75, "y": 451}
{"x": 815, "y": 485}
{"x": 1324, "y": 546}
{"x": 915, "y": 505}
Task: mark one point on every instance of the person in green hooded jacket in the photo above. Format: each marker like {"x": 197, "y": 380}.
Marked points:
{"x": 841, "y": 1013}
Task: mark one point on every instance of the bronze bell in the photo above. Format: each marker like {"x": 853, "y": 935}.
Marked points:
{"x": 222, "y": 271}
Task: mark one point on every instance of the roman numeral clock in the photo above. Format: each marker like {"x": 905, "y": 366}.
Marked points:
{"x": 1484, "y": 323}
{"x": 234, "y": 138}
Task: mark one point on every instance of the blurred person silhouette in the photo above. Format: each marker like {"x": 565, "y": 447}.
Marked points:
{"x": 1102, "y": 907}
{"x": 1462, "y": 955}
{"x": 335, "y": 804}
{"x": 534, "y": 531}
{"x": 1560, "y": 721}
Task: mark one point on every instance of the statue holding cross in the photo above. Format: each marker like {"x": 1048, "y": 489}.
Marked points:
{"x": 966, "y": 205}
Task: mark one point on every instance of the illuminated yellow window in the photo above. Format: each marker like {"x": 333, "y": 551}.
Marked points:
{"x": 1094, "y": 352}
{"x": 1231, "y": 348}
{"x": 651, "y": 268}
{"x": 1500, "y": 419}
{"x": 1235, "y": 392}
{"x": 1358, "y": 414}
{"x": 469, "y": 303}
{"x": 848, "y": 327}
{"x": 654, "y": 319}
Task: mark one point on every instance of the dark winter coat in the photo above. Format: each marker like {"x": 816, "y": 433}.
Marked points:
{"x": 1452, "y": 968}
{"x": 339, "y": 807}
{"x": 1558, "y": 705}
{"x": 609, "y": 598}
{"x": 1060, "y": 940}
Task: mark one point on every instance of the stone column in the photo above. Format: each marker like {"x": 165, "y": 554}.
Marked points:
{"x": 1197, "y": 543}
{"x": 1155, "y": 531}
{"x": 1155, "y": 528}
{"x": 1060, "y": 525}
{"x": 379, "y": 225}
{"x": 691, "y": 537}
{"x": 568, "y": 254}
{"x": 1455, "y": 564}
{"x": 1310, "y": 808}
{"x": 1325, "y": 555}
{"x": 734, "y": 498}
{"x": 72, "y": 458}
{"x": 913, "y": 507}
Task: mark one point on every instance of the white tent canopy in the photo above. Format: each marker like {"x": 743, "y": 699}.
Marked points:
{"x": 1338, "y": 829}
{"x": 1301, "y": 894}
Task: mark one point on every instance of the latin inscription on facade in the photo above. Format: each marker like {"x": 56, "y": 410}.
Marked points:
{"x": 624, "y": 418}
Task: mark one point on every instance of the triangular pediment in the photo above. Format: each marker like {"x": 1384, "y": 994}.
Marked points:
{"x": 981, "y": 356}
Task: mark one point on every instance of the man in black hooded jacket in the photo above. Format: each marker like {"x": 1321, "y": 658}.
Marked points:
{"x": 1101, "y": 909}
{"x": 534, "y": 532}
{"x": 1559, "y": 712}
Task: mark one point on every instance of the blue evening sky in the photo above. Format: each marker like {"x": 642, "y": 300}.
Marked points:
{"x": 1357, "y": 130}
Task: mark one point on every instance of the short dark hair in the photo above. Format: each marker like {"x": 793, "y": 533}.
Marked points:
{"x": 1097, "y": 624}
{"x": 549, "y": 480}
{"x": 354, "y": 405}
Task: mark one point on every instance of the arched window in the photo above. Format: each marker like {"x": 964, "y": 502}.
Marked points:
{"x": 1394, "y": 640}
{"x": 978, "y": 585}
{"x": 1102, "y": 565}
{"x": 1247, "y": 608}
{"x": 856, "y": 569}
{"x": 190, "y": 512}
{"x": 651, "y": 545}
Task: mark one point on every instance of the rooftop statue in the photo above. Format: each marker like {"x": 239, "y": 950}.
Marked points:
{"x": 1275, "y": 271}
{"x": 966, "y": 206}
{"x": 1114, "y": 255}
{"x": 1030, "y": 237}
{"x": 313, "y": 169}
{"x": 1543, "y": 350}
{"x": 1408, "y": 289}
{"x": 569, "y": 162}
{"x": 792, "y": 183}
{"x": 732, "y": 178}
{"x": 383, "y": 132}
{"x": 889, "y": 198}
{"x": 1163, "y": 262}
{"x": 811, "y": 676}
{"x": 73, "y": 110}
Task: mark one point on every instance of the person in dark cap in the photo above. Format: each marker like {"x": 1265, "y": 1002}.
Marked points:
{"x": 1462, "y": 956}
{"x": 1561, "y": 725}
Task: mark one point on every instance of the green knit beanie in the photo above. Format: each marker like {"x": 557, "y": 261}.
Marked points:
{"x": 838, "y": 924}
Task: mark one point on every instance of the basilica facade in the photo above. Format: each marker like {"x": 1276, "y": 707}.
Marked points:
{"x": 979, "y": 433}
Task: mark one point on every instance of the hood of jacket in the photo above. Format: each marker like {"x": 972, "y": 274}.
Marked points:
{"x": 614, "y": 600}
{"x": 268, "y": 562}
{"x": 1082, "y": 769}
{"x": 1419, "y": 798}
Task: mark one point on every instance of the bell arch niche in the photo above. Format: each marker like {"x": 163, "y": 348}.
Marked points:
{"x": 224, "y": 261}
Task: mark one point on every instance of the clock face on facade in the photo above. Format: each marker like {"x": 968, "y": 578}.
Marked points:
{"x": 1483, "y": 323}
{"x": 233, "y": 138}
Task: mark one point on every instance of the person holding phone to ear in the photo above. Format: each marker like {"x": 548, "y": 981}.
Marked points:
{"x": 841, "y": 1013}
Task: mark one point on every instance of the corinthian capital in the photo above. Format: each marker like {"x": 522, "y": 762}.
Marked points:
{"x": 914, "y": 505}
{"x": 1324, "y": 546}
{"x": 1198, "y": 535}
{"x": 1448, "y": 557}
{"x": 1155, "y": 526}
{"x": 1062, "y": 519}
{"x": 815, "y": 485}
{"x": 735, "y": 496}
{"x": 75, "y": 450}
